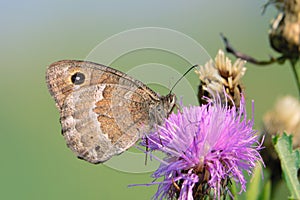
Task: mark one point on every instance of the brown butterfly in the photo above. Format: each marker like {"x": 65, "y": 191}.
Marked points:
{"x": 103, "y": 111}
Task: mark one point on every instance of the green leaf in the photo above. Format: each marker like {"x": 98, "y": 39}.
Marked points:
{"x": 266, "y": 194}
{"x": 255, "y": 185}
{"x": 290, "y": 163}
{"x": 259, "y": 187}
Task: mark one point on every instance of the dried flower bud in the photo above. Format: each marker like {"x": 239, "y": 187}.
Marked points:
{"x": 285, "y": 117}
{"x": 284, "y": 35}
{"x": 215, "y": 76}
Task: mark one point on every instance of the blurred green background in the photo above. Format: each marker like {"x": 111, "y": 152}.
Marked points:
{"x": 35, "y": 162}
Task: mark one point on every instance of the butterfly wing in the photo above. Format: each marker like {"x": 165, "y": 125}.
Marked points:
{"x": 103, "y": 111}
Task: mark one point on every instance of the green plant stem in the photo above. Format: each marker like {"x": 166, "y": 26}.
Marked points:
{"x": 297, "y": 75}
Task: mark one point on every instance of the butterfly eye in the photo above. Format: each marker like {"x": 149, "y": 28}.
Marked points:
{"x": 78, "y": 78}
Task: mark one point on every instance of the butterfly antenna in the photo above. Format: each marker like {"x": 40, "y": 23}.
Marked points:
{"x": 182, "y": 77}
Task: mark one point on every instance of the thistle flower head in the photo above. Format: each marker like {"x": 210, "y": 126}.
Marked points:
{"x": 205, "y": 147}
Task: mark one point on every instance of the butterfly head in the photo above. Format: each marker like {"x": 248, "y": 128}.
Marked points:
{"x": 169, "y": 103}
{"x": 159, "y": 111}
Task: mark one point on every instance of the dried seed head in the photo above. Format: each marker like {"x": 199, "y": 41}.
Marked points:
{"x": 279, "y": 4}
{"x": 284, "y": 34}
{"x": 215, "y": 76}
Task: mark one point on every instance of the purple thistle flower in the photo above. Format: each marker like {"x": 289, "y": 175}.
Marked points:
{"x": 205, "y": 147}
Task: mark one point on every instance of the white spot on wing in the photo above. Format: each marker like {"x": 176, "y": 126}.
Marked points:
{"x": 99, "y": 92}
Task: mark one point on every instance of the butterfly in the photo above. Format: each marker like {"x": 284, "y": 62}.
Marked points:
{"x": 103, "y": 111}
